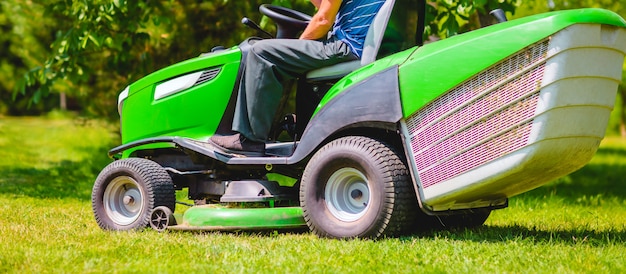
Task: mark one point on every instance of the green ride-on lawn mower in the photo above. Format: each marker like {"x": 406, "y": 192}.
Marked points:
{"x": 433, "y": 136}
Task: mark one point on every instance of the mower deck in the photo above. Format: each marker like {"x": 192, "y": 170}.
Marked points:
{"x": 216, "y": 217}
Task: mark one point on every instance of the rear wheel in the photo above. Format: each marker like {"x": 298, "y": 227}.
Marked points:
{"x": 127, "y": 191}
{"x": 357, "y": 187}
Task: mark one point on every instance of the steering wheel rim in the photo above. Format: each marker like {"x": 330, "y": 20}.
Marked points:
{"x": 282, "y": 15}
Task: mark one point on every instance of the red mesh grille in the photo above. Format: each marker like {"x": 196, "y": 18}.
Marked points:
{"x": 483, "y": 119}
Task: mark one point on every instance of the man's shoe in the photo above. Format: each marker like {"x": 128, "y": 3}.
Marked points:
{"x": 238, "y": 144}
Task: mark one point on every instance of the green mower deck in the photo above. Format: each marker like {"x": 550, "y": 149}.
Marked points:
{"x": 216, "y": 217}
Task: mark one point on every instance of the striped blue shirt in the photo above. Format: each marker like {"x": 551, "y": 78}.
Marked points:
{"x": 353, "y": 21}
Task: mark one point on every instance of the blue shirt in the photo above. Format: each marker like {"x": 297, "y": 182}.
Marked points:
{"x": 353, "y": 21}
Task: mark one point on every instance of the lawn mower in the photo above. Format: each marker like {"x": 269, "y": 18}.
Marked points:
{"x": 434, "y": 136}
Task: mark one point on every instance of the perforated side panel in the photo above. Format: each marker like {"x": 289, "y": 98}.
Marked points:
{"x": 207, "y": 76}
{"x": 484, "y": 118}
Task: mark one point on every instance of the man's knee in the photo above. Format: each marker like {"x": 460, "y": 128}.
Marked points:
{"x": 262, "y": 47}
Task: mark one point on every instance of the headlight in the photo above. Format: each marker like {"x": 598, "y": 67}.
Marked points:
{"x": 120, "y": 100}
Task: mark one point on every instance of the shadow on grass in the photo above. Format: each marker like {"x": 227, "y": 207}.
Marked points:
{"x": 490, "y": 234}
{"x": 64, "y": 179}
{"x": 516, "y": 233}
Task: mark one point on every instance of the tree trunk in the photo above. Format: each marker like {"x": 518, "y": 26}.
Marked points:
{"x": 622, "y": 115}
{"x": 485, "y": 19}
{"x": 63, "y": 101}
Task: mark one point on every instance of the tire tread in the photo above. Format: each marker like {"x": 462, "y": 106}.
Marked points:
{"x": 157, "y": 182}
{"x": 400, "y": 199}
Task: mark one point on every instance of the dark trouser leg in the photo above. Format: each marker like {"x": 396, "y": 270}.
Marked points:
{"x": 270, "y": 62}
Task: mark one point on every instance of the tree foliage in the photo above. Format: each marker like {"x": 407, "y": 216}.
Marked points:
{"x": 91, "y": 49}
{"x": 456, "y": 16}
{"x": 25, "y": 35}
{"x": 97, "y": 47}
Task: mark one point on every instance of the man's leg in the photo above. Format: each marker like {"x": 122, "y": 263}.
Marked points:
{"x": 268, "y": 64}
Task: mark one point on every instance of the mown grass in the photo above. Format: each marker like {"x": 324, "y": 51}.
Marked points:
{"x": 576, "y": 224}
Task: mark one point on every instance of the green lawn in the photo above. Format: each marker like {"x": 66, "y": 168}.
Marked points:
{"x": 575, "y": 224}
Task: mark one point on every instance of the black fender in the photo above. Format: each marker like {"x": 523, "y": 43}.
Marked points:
{"x": 374, "y": 102}
{"x": 371, "y": 103}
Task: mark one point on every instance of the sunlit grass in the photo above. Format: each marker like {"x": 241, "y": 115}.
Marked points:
{"x": 52, "y": 157}
{"x": 572, "y": 225}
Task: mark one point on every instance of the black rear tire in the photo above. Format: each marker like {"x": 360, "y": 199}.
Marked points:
{"x": 127, "y": 191}
{"x": 357, "y": 187}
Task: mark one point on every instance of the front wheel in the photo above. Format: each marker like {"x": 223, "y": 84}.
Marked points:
{"x": 128, "y": 190}
{"x": 357, "y": 187}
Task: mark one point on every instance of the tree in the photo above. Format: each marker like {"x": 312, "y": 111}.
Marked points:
{"x": 455, "y": 17}
{"x": 100, "y": 46}
{"x": 24, "y": 38}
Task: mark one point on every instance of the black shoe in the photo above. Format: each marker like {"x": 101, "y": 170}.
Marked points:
{"x": 238, "y": 144}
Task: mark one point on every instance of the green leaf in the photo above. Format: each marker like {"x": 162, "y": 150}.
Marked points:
{"x": 94, "y": 40}
{"x": 451, "y": 26}
{"x": 119, "y": 3}
{"x": 84, "y": 40}
{"x": 37, "y": 96}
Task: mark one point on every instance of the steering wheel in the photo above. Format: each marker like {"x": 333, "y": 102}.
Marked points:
{"x": 289, "y": 22}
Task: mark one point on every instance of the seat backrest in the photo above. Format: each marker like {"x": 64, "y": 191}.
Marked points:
{"x": 373, "y": 40}
{"x": 374, "y": 37}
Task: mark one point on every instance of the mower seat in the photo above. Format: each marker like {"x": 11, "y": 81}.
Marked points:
{"x": 373, "y": 40}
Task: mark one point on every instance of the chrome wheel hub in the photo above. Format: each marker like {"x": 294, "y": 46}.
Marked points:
{"x": 347, "y": 194}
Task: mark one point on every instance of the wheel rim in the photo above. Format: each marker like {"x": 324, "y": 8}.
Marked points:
{"x": 123, "y": 200}
{"x": 347, "y": 194}
{"x": 161, "y": 218}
